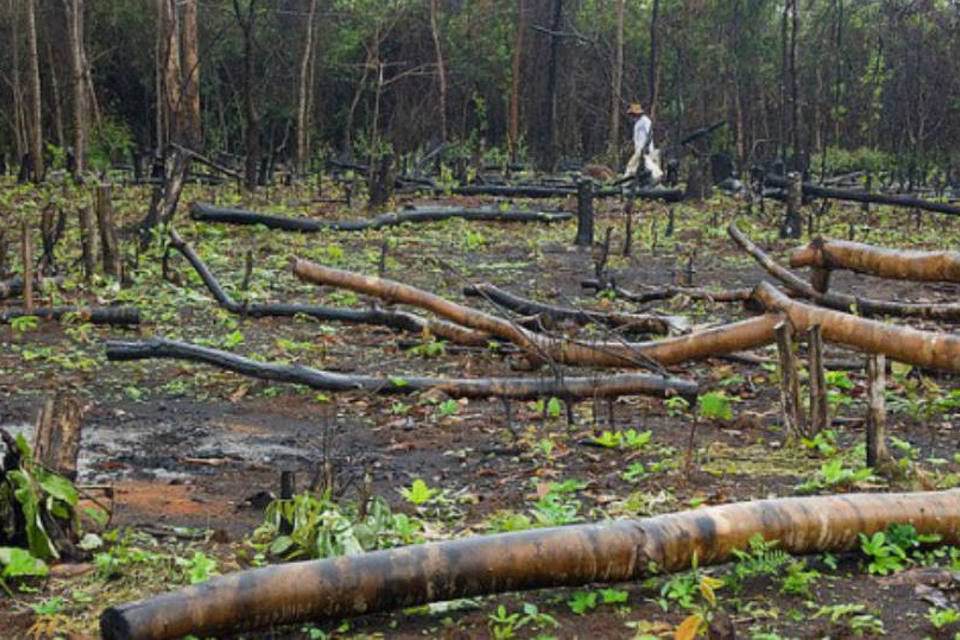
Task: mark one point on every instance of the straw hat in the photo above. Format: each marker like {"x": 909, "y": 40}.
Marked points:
{"x": 635, "y": 109}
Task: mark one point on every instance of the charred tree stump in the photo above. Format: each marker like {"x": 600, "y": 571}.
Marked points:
{"x": 48, "y": 239}
{"x": 877, "y": 452}
{"x": 26, "y": 251}
{"x": 792, "y": 225}
{"x": 109, "y": 245}
{"x": 381, "y": 182}
{"x": 790, "y": 406}
{"x": 56, "y": 441}
{"x": 584, "y": 213}
{"x": 88, "y": 241}
{"x": 819, "y": 412}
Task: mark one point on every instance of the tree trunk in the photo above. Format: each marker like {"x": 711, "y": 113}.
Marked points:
{"x": 876, "y": 411}
{"x": 737, "y": 336}
{"x": 899, "y": 264}
{"x": 56, "y": 441}
{"x": 616, "y": 551}
{"x": 516, "y": 388}
{"x": 819, "y": 408}
{"x": 88, "y": 241}
{"x": 653, "y": 80}
{"x": 36, "y": 113}
{"x": 616, "y": 88}
{"x": 26, "y": 255}
{"x": 795, "y": 127}
{"x": 252, "y": 130}
{"x": 81, "y": 127}
{"x": 790, "y": 407}
{"x": 191, "y": 75}
{"x": 112, "y": 263}
{"x": 550, "y": 157}
{"x": 19, "y": 125}
{"x": 304, "y": 90}
{"x": 514, "y": 139}
{"x": 441, "y": 71}
{"x": 584, "y": 214}
{"x": 172, "y": 73}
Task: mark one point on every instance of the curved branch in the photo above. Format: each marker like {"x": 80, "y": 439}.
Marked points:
{"x": 648, "y": 323}
{"x": 842, "y": 301}
{"x": 517, "y": 388}
{"x": 394, "y": 319}
{"x": 617, "y": 551}
{"x": 737, "y": 336}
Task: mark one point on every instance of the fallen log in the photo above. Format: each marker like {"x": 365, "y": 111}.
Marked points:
{"x": 843, "y": 301}
{"x": 925, "y": 266}
{"x": 552, "y": 314}
{"x": 667, "y": 292}
{"x": 912, "y": 346}
{"x": 395, "y": 319}
{"x": 851, "y": 195}
{"x": 617, "y": 551}
{"x": 537, "y": 191}
{"x": 120, "y": 316}
{"x": 14, "y": 286}
{"x": 209, "y": 213}
{"x": 738, "y": 336}
{"x": 515, "y": 388}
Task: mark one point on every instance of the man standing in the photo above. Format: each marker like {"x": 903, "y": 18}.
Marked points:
{"x": 643, "y": 150}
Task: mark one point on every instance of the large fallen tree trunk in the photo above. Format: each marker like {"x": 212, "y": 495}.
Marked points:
{"x": 121, "y": 316}
{"x": 14, "y": 286}
{"x": 928, "y": 266}
{"x": 842, "y": 301}
{"x": 912, "y": 346}
{"x": 518, "y": 388}
{"x": 617, "y": 551}
{"x": 818, "y": 191}
{"x": 394, "y": 319}
{"x": 552, "y": 314}
{"x": 209, "y": 213}
{"x": 729, "y": 338}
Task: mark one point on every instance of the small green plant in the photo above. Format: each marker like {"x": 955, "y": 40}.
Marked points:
{"x": 851, "y": 617}
{"x": 582, "y": 602}
{"x": 23, "y": 324}
{"x": 833, "y": 475}
{"x": 448, "y": 407}
{"x": 715, "y": 405}
{"x": 762, "y": 558}
{"x": 419, "y": 493}
{"x": 892, "y": 550}
{"x": 400, "y": 408}
{"x": 198, "y": 568}
{"x": 19, "y": 563}
{"x": 635, "y": 472}
{"x": 430, "y": 349}
{"x": 941, "y": 618}
{"x": 475, "y": 240}
{"x": 824, "y": 443}
{"x": 799, "y": 579}
{"x": 676, "y": 406}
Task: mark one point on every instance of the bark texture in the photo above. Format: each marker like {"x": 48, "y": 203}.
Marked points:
{"x": 737, "y": 336}
{"x": 608, "y": 552}
{"x": 517, "y": 388}
{"x": 925, "y": 266}
{"x": 210, "y": 213}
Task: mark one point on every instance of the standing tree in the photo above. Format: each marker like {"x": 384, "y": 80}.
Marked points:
{"x": 251, "y": 134}
{"x": 193, "y": 133}
{"x": 36, "y": 116}
{"x": 81, "y": 127}
{"x": 513, "y": 139}
{"x": 653, "y": 82}
{"x": 616, "y": 89}
{"x": 441, "y": 71}
{"x": 304, "y": 91}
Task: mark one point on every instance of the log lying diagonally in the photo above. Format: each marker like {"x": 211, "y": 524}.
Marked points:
{"x": 519, "y": 388}
{"x": 119, "y": 316}
{"x": 921, "y": 348}
{"x": 390, "y": 318}
{"x": 552, "y": 314}
{"x": 898, "y": 264}
{"x": 565, "y": 556}
{"x": 209, "y": 213}
{"x": 842, "y": 301}
{"x": 737, "y": 336}
{"x": 851, "y": 195}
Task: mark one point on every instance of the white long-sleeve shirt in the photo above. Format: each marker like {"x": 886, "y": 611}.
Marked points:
{"x": 642, "y": 132}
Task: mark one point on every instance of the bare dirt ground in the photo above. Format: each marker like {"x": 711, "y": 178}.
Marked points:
{"x": 176, "y": 448}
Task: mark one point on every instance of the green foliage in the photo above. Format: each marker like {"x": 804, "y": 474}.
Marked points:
{"x": 799, "y": 579}
{"x": 851, "y": 617}
{"x": 941, "y": 618}
{"x": 23, "y": 324}
{"x": 715, "y": 405}
{"x": 629, "y": 439}
{"x": 582, "y": 602}
{"x": 823, "y": 443}
{"x": 504, "y": 625}
{"x": 892, "y": 550}
{"x": 44, "y": 498}
{"x": 321, "y": 528}
{"x": 199, "y": 567}
{"x": 834, "y": 475}
{"x": 419, "y": 493}
{"x": 762, "y": 558}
